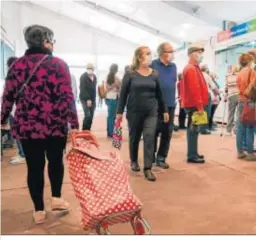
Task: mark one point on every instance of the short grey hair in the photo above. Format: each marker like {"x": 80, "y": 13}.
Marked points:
{"x": 35, "y": 35}
{"x": 160, "y": 48}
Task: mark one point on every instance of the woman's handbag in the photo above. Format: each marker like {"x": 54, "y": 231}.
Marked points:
{"x": 248, "y": 116}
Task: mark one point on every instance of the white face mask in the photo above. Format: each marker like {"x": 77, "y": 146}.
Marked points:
{"x": 253, "y": 65}
{"x": 90, "y": 71}
{"x": 170, "y": 57}
{"x": 200, "y": 58}
{"x": 148, "y": 60}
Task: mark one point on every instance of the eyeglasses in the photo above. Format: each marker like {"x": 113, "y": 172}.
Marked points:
{"x": 171, "y": 51}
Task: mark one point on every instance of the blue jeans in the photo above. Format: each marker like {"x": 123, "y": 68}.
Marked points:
{"x": 245, "y": 134}
{"x": 192, "y": 135}
{"x": 112, "y": 105}
{"x": 20, "y": 149}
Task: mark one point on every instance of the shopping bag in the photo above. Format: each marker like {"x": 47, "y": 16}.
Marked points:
{"x": 117, "y": 135}
{"x": 248, "y": 116}
{"x": 198, "y": 119}
{"x": 101, "y": 184}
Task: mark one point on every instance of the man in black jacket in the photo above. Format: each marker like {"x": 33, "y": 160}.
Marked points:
{"x": 88, "y": 82}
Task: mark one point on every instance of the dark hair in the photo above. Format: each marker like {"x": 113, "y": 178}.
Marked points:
{"x": 245, "y": 59}
{"x": 180, "y": 76}
{"x": 127, "y": 68}
{"x": 35, "y": 35}
{"x": 10, "y": 61}
{"x": 112, "y": 73}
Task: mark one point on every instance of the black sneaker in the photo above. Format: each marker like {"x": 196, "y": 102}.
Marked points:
{"x": 135, "y": 167}
{"x": 195, "y": 160}
{"x": 200, "y": 156}
{"x": 149, "y": 175}
{"x": 205, "y": 132}
{"x": 163, "y": 165}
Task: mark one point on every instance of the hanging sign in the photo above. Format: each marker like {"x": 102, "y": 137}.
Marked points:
{"x": 237, "y": 30}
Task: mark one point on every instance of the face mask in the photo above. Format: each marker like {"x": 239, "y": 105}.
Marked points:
{"x": 170, "y": 57}
{"x": 253, "y": 65}
{"x": 90, "y": 71}
{"x": 148, "y": 60}
{"x": 200, "y": 58}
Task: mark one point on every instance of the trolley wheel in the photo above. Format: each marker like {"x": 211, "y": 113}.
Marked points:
{"x": 140, "y": 225}
{"x": 102, "y": 230}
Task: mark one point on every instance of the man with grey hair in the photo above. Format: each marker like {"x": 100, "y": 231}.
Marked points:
{"x": 168, "y": 76}
{"x": 88, "y": 83}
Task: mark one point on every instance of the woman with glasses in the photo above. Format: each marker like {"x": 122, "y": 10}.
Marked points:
{"x": 40, "y": 86}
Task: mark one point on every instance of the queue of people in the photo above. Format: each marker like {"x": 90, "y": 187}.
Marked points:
{"x": 46, "y": 109}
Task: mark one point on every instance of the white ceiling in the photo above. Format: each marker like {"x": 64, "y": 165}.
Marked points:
{"x": 172, "y": 23}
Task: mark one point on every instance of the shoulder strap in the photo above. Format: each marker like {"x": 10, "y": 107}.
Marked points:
{"x": 31, "y": 75}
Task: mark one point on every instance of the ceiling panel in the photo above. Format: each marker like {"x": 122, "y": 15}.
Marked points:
{"x": 237, "y": 11}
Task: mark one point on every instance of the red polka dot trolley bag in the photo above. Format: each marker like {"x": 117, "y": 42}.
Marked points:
{"x": 101, "y": 184}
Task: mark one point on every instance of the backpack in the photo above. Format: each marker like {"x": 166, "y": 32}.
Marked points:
{"x": 102, "y": 91}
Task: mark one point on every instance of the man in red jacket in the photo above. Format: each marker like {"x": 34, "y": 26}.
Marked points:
{"x": 194, "y": 97}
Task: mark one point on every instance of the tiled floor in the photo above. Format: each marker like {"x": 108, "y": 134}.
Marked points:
{"x": 218, "y": 197}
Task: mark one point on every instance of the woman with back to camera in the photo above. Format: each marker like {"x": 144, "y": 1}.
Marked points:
{"x": 113, "y": 85}
{"x": 245, "y": 78}
{"x": 141, "y": 93}
{"x": 40, "y": 85}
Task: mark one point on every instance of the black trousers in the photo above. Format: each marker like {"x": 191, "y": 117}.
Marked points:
{"x": 35, "y": 151}
{"x": 182, "y": 118}
{"x": 213, "y": 109}
{"x": 166, "y": 130}
{"x": 88, "y": 115}
{"x": 142, "y": 123}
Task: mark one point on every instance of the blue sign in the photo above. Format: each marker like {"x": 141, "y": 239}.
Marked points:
{"x": 239, "y": 30}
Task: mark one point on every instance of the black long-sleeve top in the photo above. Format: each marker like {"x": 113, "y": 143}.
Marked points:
{"x": 141, "y": 93}
{"x": 87, "y": 87}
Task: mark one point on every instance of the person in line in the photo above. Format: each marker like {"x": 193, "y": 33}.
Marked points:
{"x": 127, "y": 68}
{"x": 88, "y": 83}
{"x": 205, "y": 130}
{"x": 20, "y": 157}
{"x": 113, "y": 85}
{"x": 182, "y": 112}
{"x": 245, "y": 77}
{"x": 215, "y": 99}
{"x": 168, "y": 77}
{"x": 194, "y": 97}
{"x": 232, "y": 97}
{"x": 142, "y": 94}
{"x": 101, "y": 93}
{"x": 44, "y": 107}
{"x": 252, "y": 52}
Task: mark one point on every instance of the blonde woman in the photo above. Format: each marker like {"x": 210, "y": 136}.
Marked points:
{"x": 141, "y": 93}
{"x": 233, "y": 94}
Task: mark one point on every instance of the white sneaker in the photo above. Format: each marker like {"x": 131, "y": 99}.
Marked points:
{"x": 59, "y": 204}
{"x": 229, "y": 134}
{"x": 17, "y": 160}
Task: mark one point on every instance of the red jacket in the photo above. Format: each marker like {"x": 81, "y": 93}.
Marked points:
{"x": 194, "y": 92}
